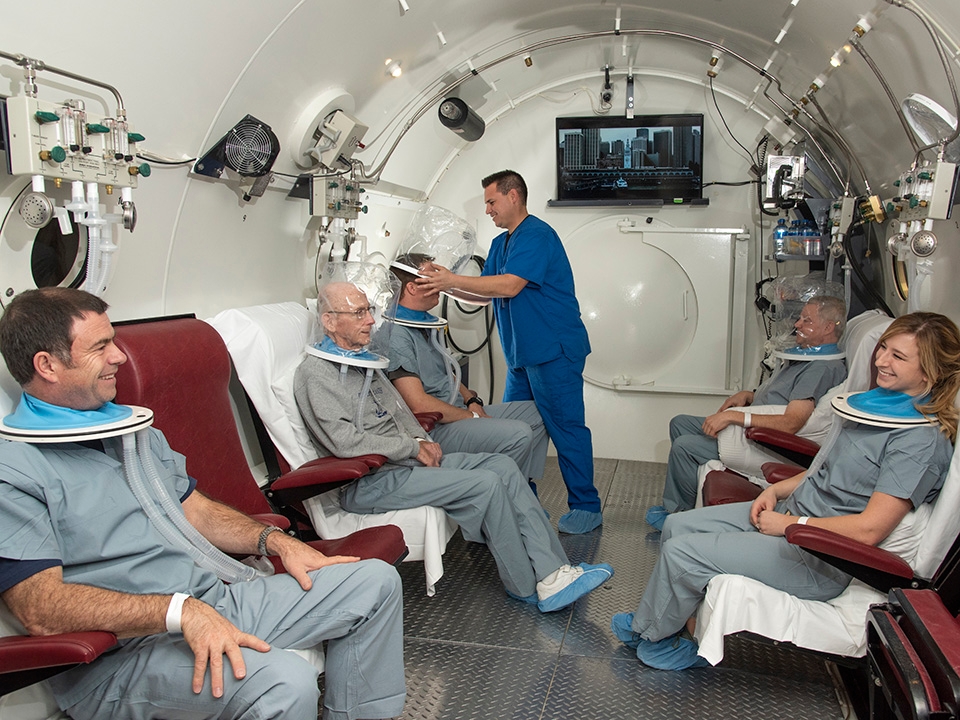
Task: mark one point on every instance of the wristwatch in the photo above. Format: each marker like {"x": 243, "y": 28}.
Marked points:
{"x": 475, "y": 399}
{"x": 262, "y": 541}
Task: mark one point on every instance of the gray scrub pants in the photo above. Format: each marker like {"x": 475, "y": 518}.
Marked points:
{"x": 514, "y": 429}
{"x": 689, "y": 449}
{"x": 489, "y": 498}
{"x": 700, "y": 544}
{"x": 357, "y": 608}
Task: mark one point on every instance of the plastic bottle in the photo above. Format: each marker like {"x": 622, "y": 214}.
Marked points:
{"x": 794, "y": 242}
{"x": 780, "y": 237}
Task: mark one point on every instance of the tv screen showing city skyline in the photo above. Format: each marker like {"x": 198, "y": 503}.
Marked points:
{"x": 648, "y": 157}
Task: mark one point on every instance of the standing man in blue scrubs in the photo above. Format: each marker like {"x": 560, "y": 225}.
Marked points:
{"x": 528, "y": 276}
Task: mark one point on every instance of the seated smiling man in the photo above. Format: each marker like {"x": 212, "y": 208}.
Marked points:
{"x": 79, "y": 552}
{"x": 798, "y": 386}
{"x": 351, "y": 409}
{"x": 419, "y": 371}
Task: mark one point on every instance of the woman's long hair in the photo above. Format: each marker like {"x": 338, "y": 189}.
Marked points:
{"x": 938, "y": 343}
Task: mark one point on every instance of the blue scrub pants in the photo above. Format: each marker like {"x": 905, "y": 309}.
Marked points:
{"x": 699, "y": 545}
{"x": 689, "y": 449}
{"x": 357, "y": 608}
{"x": 557, "y": 388}
{"x": 514, "y": 429}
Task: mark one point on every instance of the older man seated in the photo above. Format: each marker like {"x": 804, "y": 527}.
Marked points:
{"x": 419, "y": 371}
{"x": 485, "y": 493}
{"x": 79, "y": 552}
{"x": 797, "y": 387}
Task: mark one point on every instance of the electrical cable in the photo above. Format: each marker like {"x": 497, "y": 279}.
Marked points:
{"x": 488, "y": 322}
{"x": 158, "y": 160}
{"x": 865, "y": 285}
{"x": 713, "y": 93}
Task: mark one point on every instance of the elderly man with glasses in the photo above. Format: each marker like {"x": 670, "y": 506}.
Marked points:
{"x": 795, "y": 389}
{"x": 350, "y": 410}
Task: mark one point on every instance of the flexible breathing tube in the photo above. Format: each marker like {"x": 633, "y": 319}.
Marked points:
{"x": 453, "y": 367}
{"x": 170, "y": 522}
{"x": 358, "y": 418}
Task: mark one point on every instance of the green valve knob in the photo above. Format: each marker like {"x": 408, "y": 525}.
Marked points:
{"x": 333, "y": 185}
{"x": 44, "y": 117}
{"x": 914, "y": 201}
{"x": 56, "y": 154}
{"x": 135, "y": 137}
{"x": 924, "y": 175}
{"x": 360, "y": 190}
{"x": 909, "y": 178}
{"x": 836, "y": 206}
{"x": 364, "y": 210}
{"x": 337, "y": 206}
{"x": 896, "y": 183}
{"x": 891, "y": 207}
{"x": 142, "y": 169}
{"x": 97, "y": 128}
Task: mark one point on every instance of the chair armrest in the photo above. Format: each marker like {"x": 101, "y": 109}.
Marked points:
{"x": 898, "y": 668}
{"x": 383, "y": 542}
{"x": 428, "y": 420}
{"x": 724, "y": 486}
{"x": 774, "y": 472}
{"x": 28, "y": 652}
{"x": 877, "y": 567}
{"x": 373, "y": 462}
{"x": 25, "y": 659}
{"x": 314, "y": 478}
{"x": 935, "y": 634}
{"x": 796, "y": 449}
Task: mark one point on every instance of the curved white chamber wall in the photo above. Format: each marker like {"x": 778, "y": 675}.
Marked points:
{"x": 195, "y": 69}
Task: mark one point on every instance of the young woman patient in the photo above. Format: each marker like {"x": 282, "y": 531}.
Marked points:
{"x": 869, "y": 480}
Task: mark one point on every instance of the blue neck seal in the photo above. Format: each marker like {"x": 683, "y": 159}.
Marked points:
{"x": 35, "y": 414}
{"x": 327, "y": 345}
{"x": 888, "y": 403}
{"x": 420, "y": 316}
{"x": 828, "y": 349}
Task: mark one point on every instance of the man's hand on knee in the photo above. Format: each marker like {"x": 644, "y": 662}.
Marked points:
{"x": 210, "y": 637}
{"x": 299, "y": 558}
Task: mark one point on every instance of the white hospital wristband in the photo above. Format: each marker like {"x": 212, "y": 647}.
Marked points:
{"x": 803, "y": 520}
{"x": 175, "y": 612}
{"x": 746, "y": 419}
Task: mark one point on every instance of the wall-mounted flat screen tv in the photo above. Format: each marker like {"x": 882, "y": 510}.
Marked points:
{"x": 647, "y": 159}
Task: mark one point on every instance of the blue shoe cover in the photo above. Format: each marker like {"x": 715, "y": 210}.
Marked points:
{"x": 593, "y": 577}
{"x": 529, "y": 599}
{"x": 671, "y": 653}
{"x": 578, "y": 522}
{"x": 656, "y": 517}
{"x": 622, "y": 626}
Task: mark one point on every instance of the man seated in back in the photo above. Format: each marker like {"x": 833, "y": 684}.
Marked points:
{"x": 419, "y": 372}
{"x": 485, "y": 493}
{"x": 78, "y": 552}
{"x": 797, "y": 387}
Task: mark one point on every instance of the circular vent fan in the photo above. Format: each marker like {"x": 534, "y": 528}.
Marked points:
{"x": 931, "y": 123}
{"x": 250, "y": 148}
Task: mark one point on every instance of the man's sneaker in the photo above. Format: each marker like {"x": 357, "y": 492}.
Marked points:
{"x": 571, "y": 584}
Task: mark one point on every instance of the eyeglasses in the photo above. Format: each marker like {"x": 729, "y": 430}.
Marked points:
{"x": 359, "y": 313}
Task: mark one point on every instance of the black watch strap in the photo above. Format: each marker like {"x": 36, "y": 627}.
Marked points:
{"x": 475, "y": 399}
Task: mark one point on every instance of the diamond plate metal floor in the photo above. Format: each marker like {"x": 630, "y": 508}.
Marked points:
{"x": 471, "y": 652}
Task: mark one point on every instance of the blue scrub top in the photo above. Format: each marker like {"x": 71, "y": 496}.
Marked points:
{"x": 543, "y": 321}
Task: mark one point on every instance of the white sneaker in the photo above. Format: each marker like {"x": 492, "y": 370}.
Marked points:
{"x": 558, "y": 580}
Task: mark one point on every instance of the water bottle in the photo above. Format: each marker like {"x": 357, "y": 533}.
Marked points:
{"x": 780, "y": 237}
{"x": 794, "y": 241}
